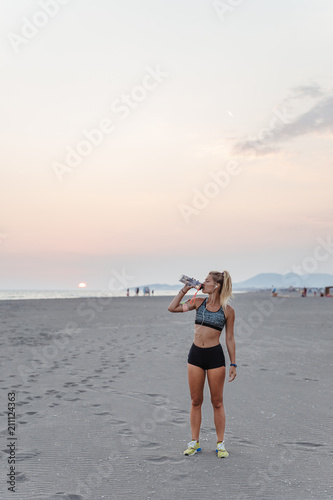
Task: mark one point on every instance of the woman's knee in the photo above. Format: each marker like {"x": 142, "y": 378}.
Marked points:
{"x": 197, "y": 401}
{"x": 217, "y": 403}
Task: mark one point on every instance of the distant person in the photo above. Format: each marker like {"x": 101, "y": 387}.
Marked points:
{"x": 206, "y": 354}
{"x": 127, "y": 292}
{"x": 137, "y": 291}
{"x": 304, "y": 292}
{"x": 152, "y": 292}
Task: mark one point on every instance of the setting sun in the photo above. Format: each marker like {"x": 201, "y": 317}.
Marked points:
{"x": 82, "y": 285}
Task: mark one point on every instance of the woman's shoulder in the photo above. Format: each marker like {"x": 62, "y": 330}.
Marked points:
{"x": 199, "y": 301}
{"x": 229, "y": 312}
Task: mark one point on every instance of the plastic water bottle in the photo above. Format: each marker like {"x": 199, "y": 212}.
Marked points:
{"x": 191, "y": 282}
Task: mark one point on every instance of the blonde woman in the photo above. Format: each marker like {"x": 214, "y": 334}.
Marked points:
{"x": 206, "y": 354}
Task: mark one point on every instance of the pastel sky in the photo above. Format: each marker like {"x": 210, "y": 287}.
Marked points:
{"x": 158, "y": 138}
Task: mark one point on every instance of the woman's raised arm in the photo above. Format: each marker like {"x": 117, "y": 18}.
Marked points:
{"x": 175, "y": 306}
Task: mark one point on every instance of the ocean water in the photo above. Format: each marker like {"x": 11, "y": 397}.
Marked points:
{"x": 71, "y": 294}
{"x": 76, "y": 294}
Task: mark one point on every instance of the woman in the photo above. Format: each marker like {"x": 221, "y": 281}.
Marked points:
{"x": 206, "y": 353}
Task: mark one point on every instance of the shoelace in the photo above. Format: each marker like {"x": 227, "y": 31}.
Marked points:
{"x": 192, "y": 444}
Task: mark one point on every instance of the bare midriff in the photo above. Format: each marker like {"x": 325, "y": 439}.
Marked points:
{"x": 204, "y": 336}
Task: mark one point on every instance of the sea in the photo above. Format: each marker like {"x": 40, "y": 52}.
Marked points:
{"x": 76, "y": 294}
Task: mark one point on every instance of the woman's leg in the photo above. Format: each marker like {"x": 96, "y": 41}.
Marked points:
{"x": 216, "y": 378}
{"x": 196, "y": 382}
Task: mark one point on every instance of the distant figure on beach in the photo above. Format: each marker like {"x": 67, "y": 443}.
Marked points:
{"x": 152, "y": 292}
{"x": 274, "y": 292}
{"x": 146, "y": 291}
{"x": 206, "y": 354}
{"x": 127, "y": 292}
{"x": 137, "y": 291}
{"x": 304, "y": 292}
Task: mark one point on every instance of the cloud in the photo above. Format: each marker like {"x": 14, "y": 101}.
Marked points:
{"x": 307, "y": 110}
{"x": 307, "y": 90}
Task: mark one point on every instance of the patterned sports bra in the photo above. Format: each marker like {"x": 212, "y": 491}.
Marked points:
{"x": 211, "y": 319}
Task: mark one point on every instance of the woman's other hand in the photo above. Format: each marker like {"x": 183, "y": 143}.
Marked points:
{"x": 232, "y": 373}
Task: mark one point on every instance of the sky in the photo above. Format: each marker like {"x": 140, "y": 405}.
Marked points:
{"x": 145, "y": 140}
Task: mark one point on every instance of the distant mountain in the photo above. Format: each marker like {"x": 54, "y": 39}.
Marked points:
{"x": 266, "y": 281}
{"x": 269, "y": 280}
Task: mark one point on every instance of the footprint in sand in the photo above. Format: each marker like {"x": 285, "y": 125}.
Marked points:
{"x": 24, "y": 455}
{"x": 304, "y": 444}
{"x": 294, "y": 448}
{"x": 164, "y": 460}
{"x": 151, "y": 445}
{"x": 65, "y": 496}
{"x": 21, "y": 477}
{"x": 244, "y": 442}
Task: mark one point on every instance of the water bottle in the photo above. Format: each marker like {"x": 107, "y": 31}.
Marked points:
{"x": 191, "y": 282}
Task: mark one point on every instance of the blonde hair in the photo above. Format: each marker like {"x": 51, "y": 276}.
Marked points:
{"x": 224, "y": 279}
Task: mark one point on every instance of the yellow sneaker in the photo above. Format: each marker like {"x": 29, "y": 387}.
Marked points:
{"x": 192, "y": 448}
{"x": 221, "y": 451}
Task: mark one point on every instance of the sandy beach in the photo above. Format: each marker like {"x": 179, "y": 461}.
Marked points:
{"x": 102, "y": 401}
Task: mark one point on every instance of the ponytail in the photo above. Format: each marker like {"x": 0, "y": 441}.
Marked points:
{"x": 224, "y": 279}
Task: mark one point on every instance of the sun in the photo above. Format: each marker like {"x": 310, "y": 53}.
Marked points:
{"x": 82, "y": 285}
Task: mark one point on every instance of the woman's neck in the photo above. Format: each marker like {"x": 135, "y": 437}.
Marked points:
{"x": 213, "y": 299}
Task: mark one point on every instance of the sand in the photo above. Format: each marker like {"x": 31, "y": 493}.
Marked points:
{"x": 103, "y": 402}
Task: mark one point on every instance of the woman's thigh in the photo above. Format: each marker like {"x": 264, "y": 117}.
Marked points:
{"x": 196, "y": 382}
{"x": 216, "y": 377}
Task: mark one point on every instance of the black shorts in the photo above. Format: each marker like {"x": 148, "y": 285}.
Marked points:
{"x": 206, "y": 357}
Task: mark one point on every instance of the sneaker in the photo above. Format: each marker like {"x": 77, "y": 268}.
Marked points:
{"x": 192, "y": 448}
{"x": 221, "y": 451}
